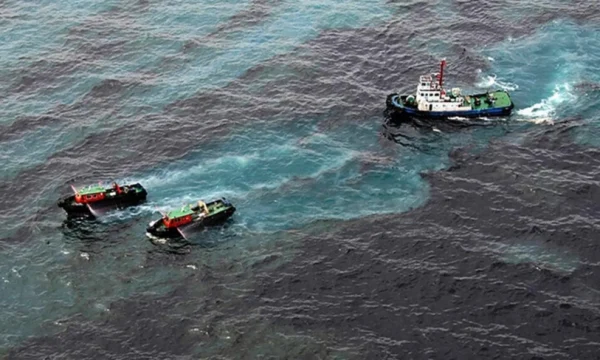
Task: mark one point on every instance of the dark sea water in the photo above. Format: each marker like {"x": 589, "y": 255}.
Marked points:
{"x": 354, "y": 237}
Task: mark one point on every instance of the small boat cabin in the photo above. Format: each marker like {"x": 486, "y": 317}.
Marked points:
{"x": 90, "y": 194}
{"x": 178, "y": 217}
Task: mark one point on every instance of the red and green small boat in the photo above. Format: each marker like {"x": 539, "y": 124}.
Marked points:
{"x": 86, "y": 199}
{"x": 200, "y": 214}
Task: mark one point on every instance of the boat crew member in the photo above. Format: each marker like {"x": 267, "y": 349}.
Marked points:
{"x": 204, "y": 208}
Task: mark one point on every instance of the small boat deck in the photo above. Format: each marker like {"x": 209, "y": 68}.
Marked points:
{"x": 216, "y": 207}
{"x": 183, "y": 211}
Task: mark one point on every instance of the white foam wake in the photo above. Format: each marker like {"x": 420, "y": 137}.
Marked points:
{"x": 544, "y": 111}
{"x": 492, "y": 81}
{"x": 458, "y": 118}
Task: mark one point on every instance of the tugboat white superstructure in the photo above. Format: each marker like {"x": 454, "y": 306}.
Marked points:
{"x": 432, "y": 100}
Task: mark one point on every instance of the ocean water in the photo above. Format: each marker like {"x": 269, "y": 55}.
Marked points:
{"x": 355, "y": 237}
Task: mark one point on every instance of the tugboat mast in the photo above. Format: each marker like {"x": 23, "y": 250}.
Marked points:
{"x": 442, "y": 64}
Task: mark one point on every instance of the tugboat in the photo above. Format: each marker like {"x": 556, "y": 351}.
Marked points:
{"x": 201, "y": 214}
{"x": 431, "y": 100}
{"x": 84, "y": 200}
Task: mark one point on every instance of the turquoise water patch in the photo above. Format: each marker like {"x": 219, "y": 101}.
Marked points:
{"x": 115, "y": 57}
{"x": 36, "y": 31}
{"x": 535, "y": 252}
{"x": 280, "y": 179}
{"x": 590, "y": 134}
{"x": 542, "y": 257}
{"x": 285, "y": 176}
{"x": 217, "y": 61}
{"x": 188, "y": 20}
{"x": 24, "y": 152}
{"x": 60, "y": 274}
{"x": 132, "y": 47}
{"x": 544, "y": 70}
{"x": 519, "y": 12}
{"x": 32, "y": 28}
{"x": 211, "y": 65}
{"x": 34, "y": 147}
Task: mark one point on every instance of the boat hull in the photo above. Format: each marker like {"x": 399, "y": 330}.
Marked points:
{"x": 135, "y": 196}
{"x": 395, "y": 107}
{"x": 156, "y": 229}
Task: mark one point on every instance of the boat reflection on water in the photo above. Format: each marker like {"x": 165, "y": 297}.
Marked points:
{"x": 423, "y": 133}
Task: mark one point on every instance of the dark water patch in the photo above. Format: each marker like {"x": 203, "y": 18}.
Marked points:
{"x": 102, "y": 99}
{"x": 197, "y": 239}
{"x": 19, "y": 236}
{"x": 81, "y": 54}
{"x": 440, "y": 281}
{"x": 106, "y": 36}
{"x": 502, "y": 14}
{"x": 43, "y": 220}
{"x": 222, "y": 250}
{"x": 390, "y": 295}
{"x": 92, "y": 234}
{"x": 485, "y": 30}
{"x": 353, "y": 70}
{"x": 102, "y": 27}
{"x": 466, "y": 25}
{"x": 92, "y": 50}
{"x": 554, "y": 189}
{"x": 36, "y": 220}
{"x": 145, "y": 328}
{"x": 25, "y": 124}
{"x": 257, "y": 12}
{"x": 107, "y": 88}
{"x": 390, "y": 285}
{"x": 582, "y": 12}
{"x": 587, "y": 87}
{"x": 213, "y": 323}
{"x": 426, "y": 135}
{"x": 220, "y": 245}
{"x": 143, "y": 4}
{"x": 147, "y": 320}
{"x": 43, "y": 72}
{"x": 105, "y": 99}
